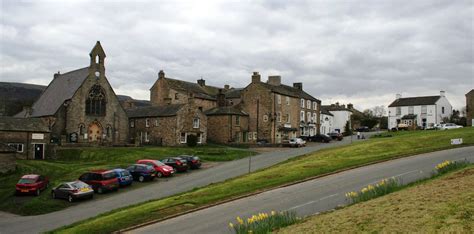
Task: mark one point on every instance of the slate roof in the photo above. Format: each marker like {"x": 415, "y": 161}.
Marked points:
{"x": 326, "y": 112}
{"x": 226, "y": 110}
{"x": 470, "y": 92}
{"x": 415, "y": 101}
{"x": 233, "y": 93}
{"x": 154, "y": 111}
{"x": 61, "y": 88}
{"x": 23, "y": 125}
{"x": 335, "y": 108}
{"x": 204, "y": 92}
{"x": 289, "y": 91}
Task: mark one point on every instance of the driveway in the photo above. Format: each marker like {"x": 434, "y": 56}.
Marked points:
{"x": 309, "y": 197}
{"x": 87, "y": 209}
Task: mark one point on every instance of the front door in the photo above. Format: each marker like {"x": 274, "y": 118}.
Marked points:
{"x": 39, "y": 151}
{"x": 95, "y": 132}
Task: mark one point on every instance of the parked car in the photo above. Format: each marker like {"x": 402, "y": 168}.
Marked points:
{"x": 447, "y": 126}
{"x": 160, "y": 168}
{"x": 297, "y": 142}
{"x": 101, "y": 180}
{"x": 320, "y": 138}
{"x": 363, "y": 129}
{"x": 124, "y": 177}
{"x": 336, "y": 136}
{"x": 31, "y": 184}
{"x": 179, "y": 164}
{"x": 73, "y": 191}
{"x": 142, "y": 172}
{"x": 193, "y": 161}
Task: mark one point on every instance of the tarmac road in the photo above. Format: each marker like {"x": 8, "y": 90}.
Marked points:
{"x": 309, "y": 197}
{"x": 200, "y": 178}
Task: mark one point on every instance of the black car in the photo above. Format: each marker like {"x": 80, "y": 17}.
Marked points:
{"x": 319, "y": 138}
{"x": 179, "y": 164}
{"x": 142, "y": 172}
{"x": 363, "y": 129}
{"x": 193, "y": 161}
{"x": 73, "y": 191}
{"x": 336, "y": 136}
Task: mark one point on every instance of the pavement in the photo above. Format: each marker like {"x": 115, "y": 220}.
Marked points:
{"x": 310, "y": 197}
{"x": 164, "y": 188}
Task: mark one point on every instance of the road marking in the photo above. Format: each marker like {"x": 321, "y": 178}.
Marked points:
{"x": 311, "y": 202}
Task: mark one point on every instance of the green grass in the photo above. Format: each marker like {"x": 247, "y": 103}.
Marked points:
{"x": 72, "y": 162}
{"x": 299, "y": 168}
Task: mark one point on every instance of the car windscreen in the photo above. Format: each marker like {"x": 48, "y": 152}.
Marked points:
{"x": 108, "y": 176}
{"x": 26, "y": 181}
{"x": 79, "y": 185}
{"x": 149, "y": 168}
{"x": 159, "y": 163}
{"x": 195, "y": 158}
{"x": 124, "y": 173}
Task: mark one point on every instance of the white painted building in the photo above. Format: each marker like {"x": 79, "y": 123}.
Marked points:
{"x": 327, "y": 120}
{"x": 341, "y": 116}
{"x": 423, "y": 112}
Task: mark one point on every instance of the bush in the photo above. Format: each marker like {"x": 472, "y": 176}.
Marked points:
{"x": 191, "y": 140}
{"x": 264, "y": 223}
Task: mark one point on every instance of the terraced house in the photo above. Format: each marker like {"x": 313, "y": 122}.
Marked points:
{"x": 278, "y": 112}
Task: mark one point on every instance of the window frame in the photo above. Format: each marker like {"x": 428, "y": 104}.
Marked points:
{"x": 302, "y": 102}
{"x": 185, "y": 138}
{"x": 147, "y": 122}
{"x": 196, "y": 122}
{"x": 287, "y": 100}
{"x": 302, "y": 116}
{"x": 278, "y": 99}
{"x": 308, "y": 104}
{"x": 237, "y": 120}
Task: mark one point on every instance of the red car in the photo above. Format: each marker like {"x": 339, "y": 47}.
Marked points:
{"x": 31, "y": 184}
{"x": 101, "y": 180}
{"x": 160, "y": 168}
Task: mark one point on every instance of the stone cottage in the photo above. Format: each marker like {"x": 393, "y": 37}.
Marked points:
{"x": 470, "y": 108}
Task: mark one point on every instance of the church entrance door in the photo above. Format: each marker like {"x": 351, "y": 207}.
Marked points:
{"x": 95, "y": 132}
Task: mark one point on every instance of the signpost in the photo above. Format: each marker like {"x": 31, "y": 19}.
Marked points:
{"x": 457, "y": 141}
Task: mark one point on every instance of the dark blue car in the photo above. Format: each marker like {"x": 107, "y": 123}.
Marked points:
{"x": 142, "y": 172}
{"x": 124, "y": 177}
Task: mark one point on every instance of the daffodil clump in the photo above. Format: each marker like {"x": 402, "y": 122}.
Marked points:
{"x": 447, "y": 166}
{"x": 383, "y": 187}
{"x": 263, "y": 222}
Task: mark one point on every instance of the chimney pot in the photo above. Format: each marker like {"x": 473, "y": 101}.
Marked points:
{"x": 201, "y": 82}
{"x": 56, "y": 75}
{"x": 298, "y": 85}
{"x": 442, "y": 93}
{"x": 161, "y": 74}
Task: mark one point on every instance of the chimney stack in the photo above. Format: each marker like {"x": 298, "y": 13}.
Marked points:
{"x": 201, "y": 82}
{"x": 56, "y": 75}
{"x": 255, "y": 77}
{"x": 226, "y": 87}
{"x": 274, "y": 80}
{"x": 298, "y": 85}
{"x": 398, "y": 96}
{"x": 221, "y": 99}
{"x": 161, "y": 74}
{"x": 442, "y": 93}
{"x": 350, "y": 106}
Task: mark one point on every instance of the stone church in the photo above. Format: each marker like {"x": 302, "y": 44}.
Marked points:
{"x": 81, "y": 106}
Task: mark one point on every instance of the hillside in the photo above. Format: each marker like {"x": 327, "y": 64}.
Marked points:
{"x": 13, "y": 96}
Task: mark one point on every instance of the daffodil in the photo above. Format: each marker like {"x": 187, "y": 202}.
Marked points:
{"x": 240, "y": 221}
{"x": 231, "y": 225}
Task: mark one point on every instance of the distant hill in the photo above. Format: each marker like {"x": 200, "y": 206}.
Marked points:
{"x": 14, "y": 96}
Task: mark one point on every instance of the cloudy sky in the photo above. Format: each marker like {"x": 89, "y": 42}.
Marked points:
{"x": 362, "y": 52}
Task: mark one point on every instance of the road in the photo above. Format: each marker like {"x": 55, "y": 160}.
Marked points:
{"x": 309, "y": 197}
{"x": 165, "y": 188}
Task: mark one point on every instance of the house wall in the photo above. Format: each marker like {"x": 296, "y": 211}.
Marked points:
{"x": 314, "y": 125}
{"x": 470, "y": 108}
{"x": 26, "y": 139}
{"x": 257, "y": 101}
{"x": 443, "y": 102}
{"x": 7, "y": 162}
{"x": 430, "y": 116}
{"x": 223, "y": 129}
{"x": 340, "y": 119}
{"x": 326, "y": 124}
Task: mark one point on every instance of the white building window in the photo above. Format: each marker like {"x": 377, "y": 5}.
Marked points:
{"x": 302, "y": 103}
{"x": 237, "y": 120}
{"x": 196, "y": 122}
{"x": 279, "y": 117}
{"x": 399, "y": 111}
{"x": 424, "y": 109}
{"x": 411, "y": 110}
{"x": 308, "y": 114}
{"x": 315, "y": 118}
{"x": 308, "y": 104}
{"x": 315, "y": 106}
{"x": 17, "y": 146}
{"x": 183, "y": 137}
{"x": 132, "y": 123}
{"x": 288, "y": 120}
{"x": 278, "y": 98}
{"x": 156, "y": 122}
{"x": 199, "y": 138}
{"x": 147, "y": 139}
{"x": 147, "y": 122}
{"x": 442, "y": 110}
{"x": 287, "y": 101}
{"x": 250, "y": 135}
{"x": 302, "y": 116}
{"x": 255, "y": 135}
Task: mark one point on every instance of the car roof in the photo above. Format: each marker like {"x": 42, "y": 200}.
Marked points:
{"x": 101, "y": 171}
{"x": 140, "y": 164}
{"x": 30, "y": 176}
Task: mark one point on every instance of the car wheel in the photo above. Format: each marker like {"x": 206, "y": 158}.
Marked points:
{"x": 37, "y": 192}
{"x": 159, "y": 174}
{"x": 53, "y": 195}
{"x": 70, "y": 199}
{"x": 141, "y": 178}
{"x": 100, "y": 190}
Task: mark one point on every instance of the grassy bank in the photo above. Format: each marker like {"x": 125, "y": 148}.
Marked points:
{"x": 318, "y": 163}
{"x": 71, "y": 163}
{"x": 442, "y": 205}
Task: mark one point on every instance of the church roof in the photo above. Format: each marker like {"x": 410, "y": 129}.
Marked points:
{"x": 154, "y": 111}
{"x": 415, "y": 101}
{"x": 23, "y": 124}
{"x": 61, "y": 88}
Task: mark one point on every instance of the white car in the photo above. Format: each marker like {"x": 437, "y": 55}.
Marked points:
{"x": 297, "y": 142}
{"x": 447, "y": 126}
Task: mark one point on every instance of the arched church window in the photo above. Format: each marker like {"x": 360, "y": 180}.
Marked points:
{"x": 96, "y": 101}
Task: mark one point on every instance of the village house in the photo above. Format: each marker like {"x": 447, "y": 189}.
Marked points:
{"x": 278, "y": 112}
{"x": 470, "y": 108}
{"x": 29, "y": 137}
{"x": 423, "y": 112}
{"x": 81, "y": 107}
{"x": 167, "y": 125}
{"x": 341, "y": 115}
{"x": 327, "y": 121}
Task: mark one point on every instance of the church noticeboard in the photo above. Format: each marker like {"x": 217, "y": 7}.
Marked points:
{"x": 73, "y": 137}
{"x": 37, "y": 136}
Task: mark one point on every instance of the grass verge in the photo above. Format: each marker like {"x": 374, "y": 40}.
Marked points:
{"x": 299, "y": 168}
{"x": 72, "y": 162}
{"x": 444, "y": 204}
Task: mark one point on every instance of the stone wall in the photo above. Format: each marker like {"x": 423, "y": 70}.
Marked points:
{"x": 470, "y": 108}
{"x": 7, "y": 162}
{"x": 223, "y": 129}
{"x": 26, "y": 140}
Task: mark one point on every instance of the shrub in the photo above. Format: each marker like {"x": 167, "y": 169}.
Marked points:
{"x": 381, "y": 188}
{"x": 264, "y": 223}
{"x": 191, "y": 140}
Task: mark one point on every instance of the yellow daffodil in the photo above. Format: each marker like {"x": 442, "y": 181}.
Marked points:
{"x": 273, "y": 212}
{"x": 240, "y": 221}
{"x": 231, "y": 225}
